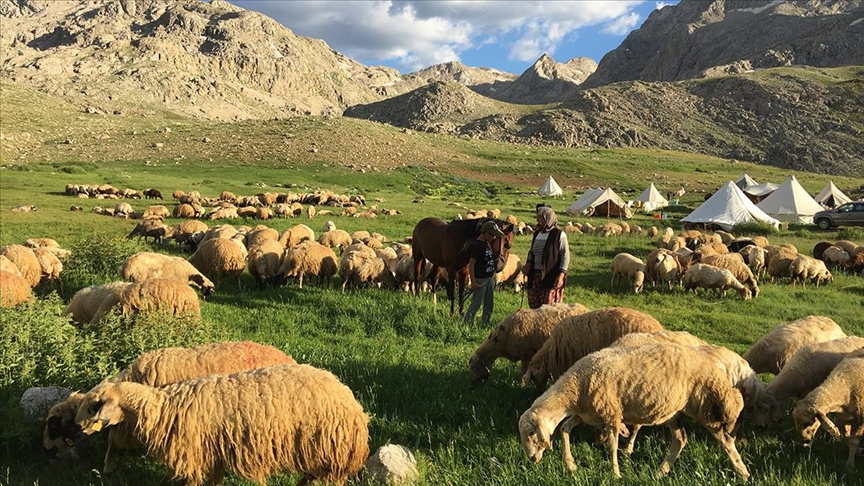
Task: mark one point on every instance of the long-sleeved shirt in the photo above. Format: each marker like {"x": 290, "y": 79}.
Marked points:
{"x": 536, "y": 252}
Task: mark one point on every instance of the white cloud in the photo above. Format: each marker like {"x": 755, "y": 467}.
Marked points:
{"x": 420, "y": 33}
{"x": 622, "y": 25}
{"x": 660, "y": 5}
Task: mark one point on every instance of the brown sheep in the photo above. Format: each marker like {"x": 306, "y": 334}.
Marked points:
{"x": 26, "y": 261}
{"x": 160, "y": 296}
{"x": 735, "y": 264}
{"x": 6, "y": 265}
{"x": 519, "y": 336}
{"x": 309, "y": 258}
{"x": 89, "y": 304}
{"x": 771, "y": 353}
{"x": 581, "y": 335}
{"x": 218, "y": 258}
{"x": 295, "y": 235}
{"x": 14, "y": 289}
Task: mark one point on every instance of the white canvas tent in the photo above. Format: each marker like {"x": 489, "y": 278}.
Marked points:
{"x": 652, "y": 199}
{"x": 728, "y": 207}
{"x": 550, "y": 188}
{"x": 790, "y": 202}
{"x": 761, "y": 190}
{"x": 831, "y": 197}
{"x": 745, "y": 181}
{"x": 600, "y": 202}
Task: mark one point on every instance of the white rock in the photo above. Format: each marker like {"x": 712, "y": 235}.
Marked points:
{"x": 391, "y": 464}
{"x": 36, "y": 401}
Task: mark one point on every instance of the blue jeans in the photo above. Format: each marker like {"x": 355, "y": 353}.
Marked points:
{"x": 485, "y": 295}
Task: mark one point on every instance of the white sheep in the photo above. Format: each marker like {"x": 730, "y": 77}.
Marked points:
{"x": 627, "y": 265}
{"x": 774, "y": 350}
{"x": 805, "y": 268}
{"x": 644, "y": 385}
{"x": 511, "y": 274}
{"x": 146, "y": 265}
{"x": 219, "y": 258}
{"x": 735, "y": 264}
{"x": 841, "y": 394}
{"x": 309, "y": 258}
{"x": 89, "y": 304}
{"x": 364, "y": 266}
{"x": 708, "y": 277}
{"x": 756, "y": 259}
{"x": 835, "y": 255}
{"x": 288, "y": 418}
{"x": 663, "y": 267}
{"x": 296, "y": 234}
{"x": 160, "y": 296}
{"x": 335, "y": 238}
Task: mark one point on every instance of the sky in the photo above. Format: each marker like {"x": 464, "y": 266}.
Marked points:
{"x": 507, "y": 35}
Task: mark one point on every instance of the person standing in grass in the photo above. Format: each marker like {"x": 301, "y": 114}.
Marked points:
{"x": 481, "y": 269}
{"x": 547, "y": 262}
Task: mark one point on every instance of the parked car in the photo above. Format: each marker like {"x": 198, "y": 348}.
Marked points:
{"x": 849, "y": 214}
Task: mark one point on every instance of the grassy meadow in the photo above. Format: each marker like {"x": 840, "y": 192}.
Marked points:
{"x": 405, "y": 358}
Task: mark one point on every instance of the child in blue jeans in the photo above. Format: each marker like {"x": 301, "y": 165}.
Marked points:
{"x": 481, "y": 269}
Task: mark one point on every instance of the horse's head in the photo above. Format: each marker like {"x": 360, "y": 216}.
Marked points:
{"x": 501, "y": 244}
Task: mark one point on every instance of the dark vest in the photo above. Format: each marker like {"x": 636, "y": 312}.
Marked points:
{"x": 549, "y": 269}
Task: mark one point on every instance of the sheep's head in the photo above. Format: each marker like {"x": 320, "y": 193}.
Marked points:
{"x": 766, "y": 410}
{"x": 480, "y": 364}
{"x": 204, "y": 284}
{"x": 536, "y": 437}
{"x": 100, "y": 408}
{"x": 745, "y": 293}
{"x": 61, "y": 431}
{"x": 806, "y": 422}
{"x": 639, "y": 280}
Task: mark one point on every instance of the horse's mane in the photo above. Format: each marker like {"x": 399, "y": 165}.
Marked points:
{"x": 469, "y": 229}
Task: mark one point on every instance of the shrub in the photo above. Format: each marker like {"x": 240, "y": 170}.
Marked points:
{"x": 851, "y": 234}
{"x": 97, "y": 259}
{"x": 753, "y": 228}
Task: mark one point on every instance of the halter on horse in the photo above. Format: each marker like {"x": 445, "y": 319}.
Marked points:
{"x": 447, "y": 245}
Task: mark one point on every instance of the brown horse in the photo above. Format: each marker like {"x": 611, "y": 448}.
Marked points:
{"x": 447, "y": 245}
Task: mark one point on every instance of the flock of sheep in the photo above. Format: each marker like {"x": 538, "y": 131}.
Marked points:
{"x": 617, "y": 369}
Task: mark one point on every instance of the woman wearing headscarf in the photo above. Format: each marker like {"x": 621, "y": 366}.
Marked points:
{"x": 547, "y": 262}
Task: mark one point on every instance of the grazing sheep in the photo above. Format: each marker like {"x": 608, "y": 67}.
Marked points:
{"x": 328, "y": 226}
{"x": 806, "y": 370}
{"x": 756, "y": 259}
{"x": 511, "y": 274}
{"x": 50, "y": 264}
{"x": 295, "y": 210}
{"x": 319, "y": 431}
{"x": 26, "y": 261}
{"x": 519, "y": 336}
{"x": 14, "y": 289}
{"x": 819, "y": 249}
{"x": 219, "y": 258}
{"x": 627, "y": 265}
{"x": 184, "y": 231}
{"x": 159, "y": 296}
{"x": 664, "y": 336}
{"x": 152, "y": 228}
{"x": 184, "y": 211}
{"x": 778, "y": 259}
{"x": 6, "y": 265}
{"x": 359, "y": 266}
{"x": 835, "y": 256}
{"x": 804, "y": 268}
{"x": 771, "y": 353}
{"x": 177, "y": 194}
{"x": 159, "y": 368}
{"x": 708, "y": 277}
{"x": 652, "y": 232}
{"x": 645, "y": 385}
{"x": 735, "y": 264}
{"x": 295, "y": 235}
{"x": 259, "y": 234}
{"x": 847, "y": 246}
{"x": 156, "y": 212}
{"x": 309, "y": 258}
{"x": 152, "y": 194}
{"x": 578, "y": 336}
{"x": 145, "y": 265}
{"x": 666, "y": 267}
{"x": 89, "y": 304}
{"x": 265, "y": 260}
{"x": 841, "y": 394}
{"x": 335, "y": 238}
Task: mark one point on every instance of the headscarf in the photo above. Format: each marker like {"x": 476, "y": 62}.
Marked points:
{"x": 546, "y": 219}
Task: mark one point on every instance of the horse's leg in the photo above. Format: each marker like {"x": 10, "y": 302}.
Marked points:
{"x": 419, "y": 263}
{"x": 462, "y": 277}
{"x": 435, "y": 270}
{"x": 451, "y": 289}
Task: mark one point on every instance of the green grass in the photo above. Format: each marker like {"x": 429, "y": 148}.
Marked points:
{"x": 404, "y": 358}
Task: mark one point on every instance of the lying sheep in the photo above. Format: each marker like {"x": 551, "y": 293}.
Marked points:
{"x": 295, "y": 235}
{"x": 6, "y": 265}
{"x": 159, "y": 296}
{"x": 511, "y": 274}
{"x": 735, "y": 264}
{"x": 26, "y": 261}
{"x": 645, "y": 385}
{"x": 50, "y": 264}
{"x": 89, "y": 304}
{"x": 156, "y": 212}
{"x": 519, "y": 336}
{"x": 359, "y": 266}
{"x": 146, "y": 265}
{"x": 578, "y": 336}
{"x": 309, "y": 258}
{"x": 774, "y": 350}
{"x": 14, "y": 289}
{"x": 265, "y": 260}
{"x": 158, "y": 368}
{"x": 219, "y": 258}
{"x": 705, "y": 276}
{"x": 321, "y": 432}
{"x": 627, "y": 265}
{"x": 806, "y": 370}
{"x": 805, "y": 268}
{"x": 841, "y": 394}
{"x": 41, "y": 243}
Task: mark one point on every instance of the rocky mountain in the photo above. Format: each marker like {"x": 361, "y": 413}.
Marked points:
{"x": 801, "y": 118}
{"x": 709, "y": 38}
{"x": 486, "y": 81}
{"x": 547, "y": 81}
{"x": 205, "y": 60}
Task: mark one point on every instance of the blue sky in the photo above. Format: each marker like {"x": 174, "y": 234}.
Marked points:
{"x": 506, "y": 35}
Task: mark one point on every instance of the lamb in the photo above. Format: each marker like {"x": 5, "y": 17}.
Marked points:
{"x": 50, "y": 264}
{"x": 219, "y": 258}
{"x": 519, "y": 336}
{"x": 159, "y": 296}
{"x": 295, "y": 235}
{"x": 627, "y": 265}
{"x": 26, "y": 261}
{"x": 708, "y": 277}
{"x": 14, "y": 289}
{"x": 805, "y": 267}
{"x": 511, "y": 274}
{"x": 145, "y": 265}
{"x": 364, "y": 266}
{"x": 335, "y": 239}
{"x": 89, "y": 304}
{"x": 265, "y": 260}
{"x": 806, "y": 370}
{"x": 159, "y": 368}
{"x": 578, "y": 336}
{"x": 645, "y": 385}
{"x": 774, "y": 350}
{"x": 320, "y": 432}
{"x": 309, "y": 258}
{"x": 735, "y": 264}
{"x": 841, "y": 394}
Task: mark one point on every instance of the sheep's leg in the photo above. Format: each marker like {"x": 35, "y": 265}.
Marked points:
{"x": 854, "y": 442}
{"x": 728, "y": 444}
{"x": 679, "y": 440}
{"x": 344, "y": 283}
{"x": 301, "y": 280}
{"x": 110, "y": 457}
{"x": 631, "y": 441}
{"x": 611, "y": 432}
{"x": 566, "y": 453}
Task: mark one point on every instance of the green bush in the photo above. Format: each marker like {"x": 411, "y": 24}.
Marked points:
{"x": 852, "y": 234}
{"x": 96, "y": 260}
{"x": 754, "y": 228}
